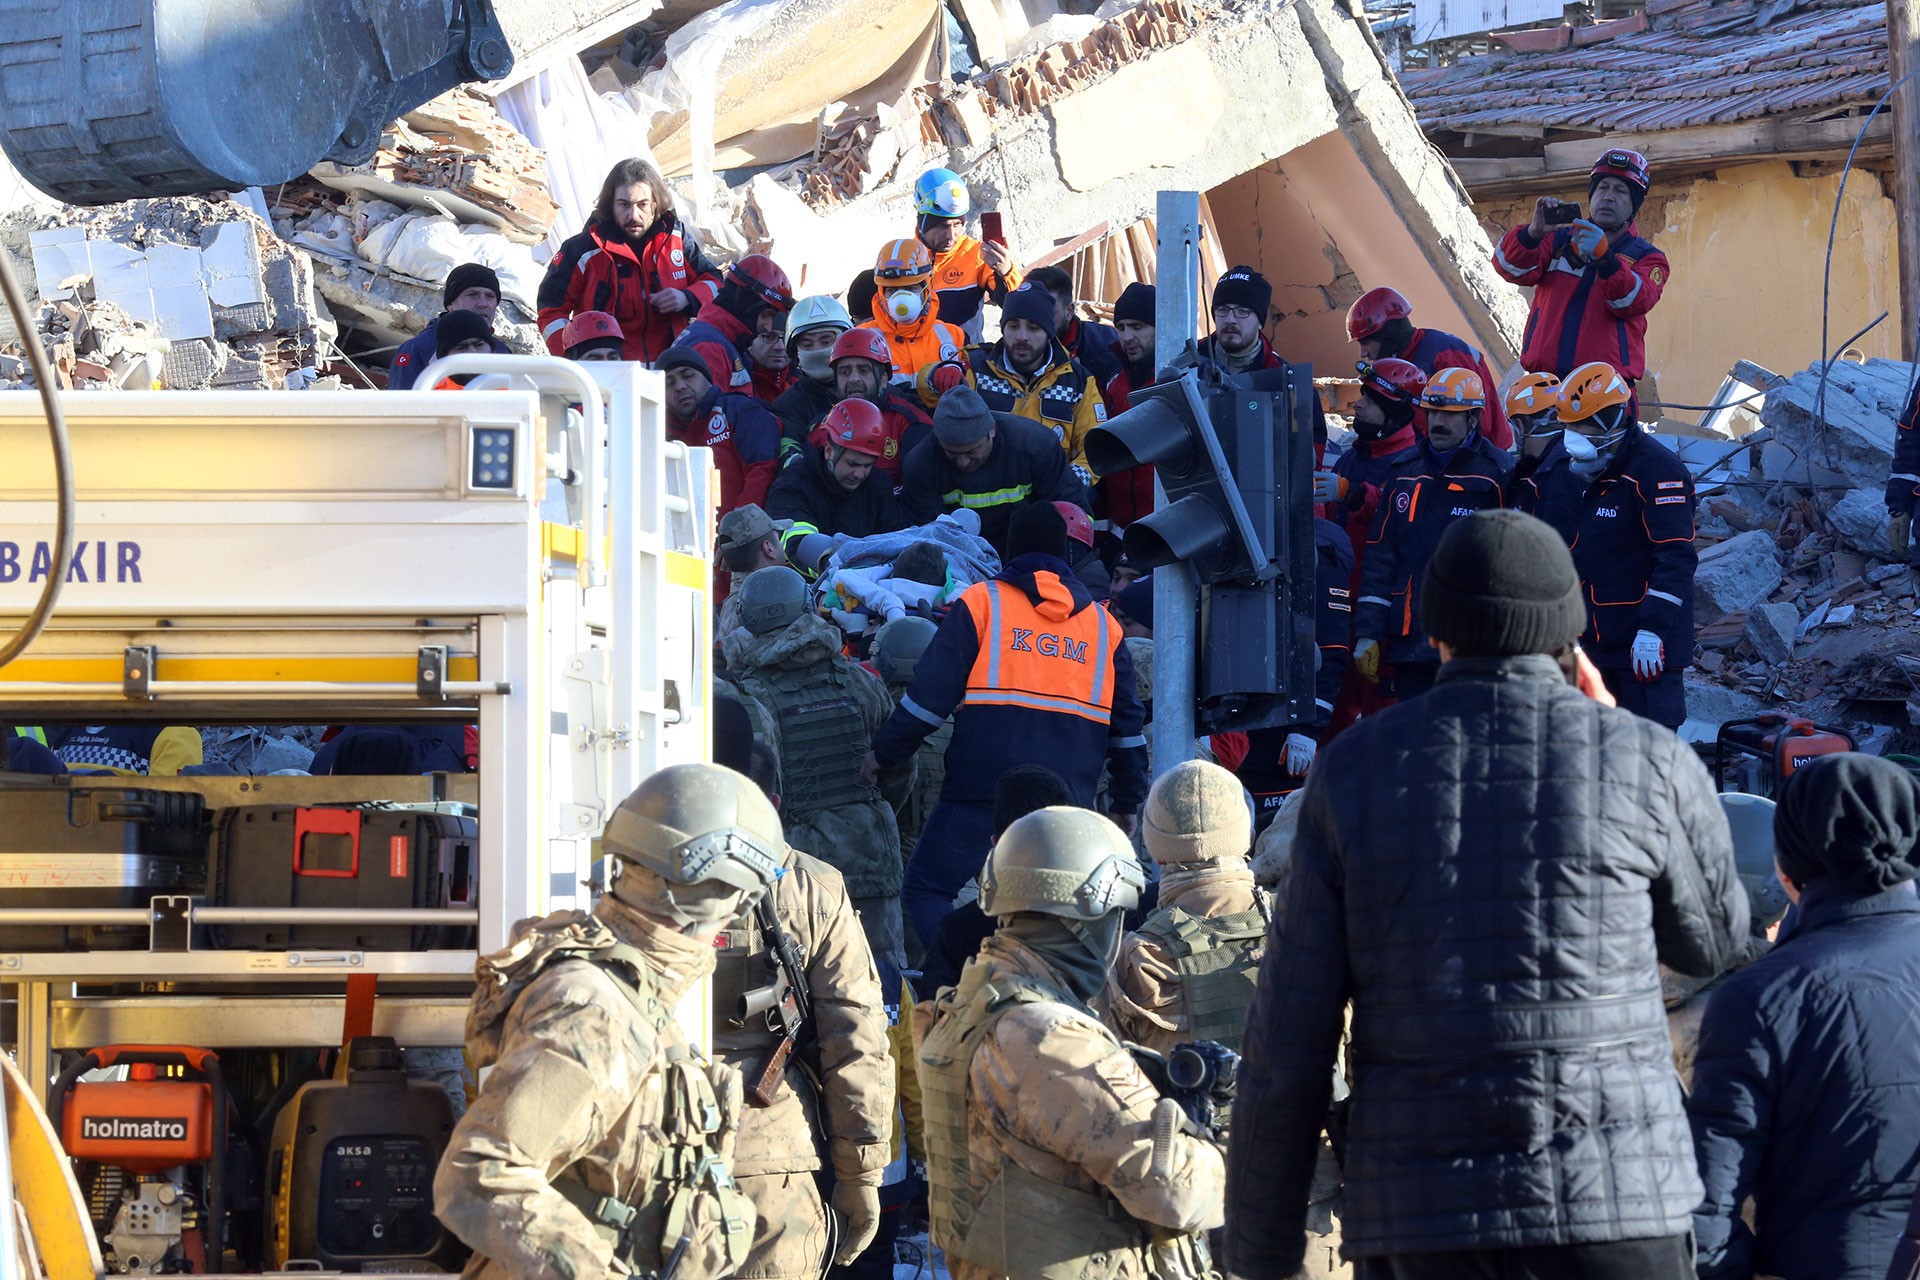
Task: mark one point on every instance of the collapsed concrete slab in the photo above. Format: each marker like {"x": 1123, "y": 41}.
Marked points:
{"x": 1853, "y": 447}
{"x": 1282, "y": 112}
{"x": 1735, "y": 575}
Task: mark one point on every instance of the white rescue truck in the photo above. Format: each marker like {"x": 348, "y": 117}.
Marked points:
{"x": 527, "y": 556}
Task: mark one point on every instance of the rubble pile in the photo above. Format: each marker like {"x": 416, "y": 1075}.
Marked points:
{"x": 180, "y": 293}
{"x": 1800, "y": 603}
{"x": 1029, "y": 83}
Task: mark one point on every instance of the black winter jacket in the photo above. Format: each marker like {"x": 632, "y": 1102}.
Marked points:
{"x": 806, "y": 493}
{"x": 1806, "y": 1094}
{"x": 1026, "y": 465}
{"x": 1492, "y": 874}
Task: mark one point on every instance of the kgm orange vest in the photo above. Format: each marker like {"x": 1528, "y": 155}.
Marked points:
{"x": 1037, "y": 657}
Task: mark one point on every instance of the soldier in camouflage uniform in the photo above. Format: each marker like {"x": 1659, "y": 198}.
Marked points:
{"x": 1187, "y": 972}
{"x": 599, "y": 1143}
{"x": 837, "y": 1084}
{"x": 825, "y": 709}
{"x": 897, "y": 646}
{"x": 1048, "y": 1152}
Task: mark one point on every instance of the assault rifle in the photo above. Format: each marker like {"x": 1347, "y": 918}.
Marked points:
{"x": 785, "y": 1001}
{"x": 1200, "y": 1075}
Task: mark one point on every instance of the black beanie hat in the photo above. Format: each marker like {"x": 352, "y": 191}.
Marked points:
{"x": 1850, "y": 816}
{"x": 1037, "y": 527}
{"x": 1244, "y": 287}
{"x": 456, "y": 327}
{"x": 1030, "y": 302}
{"x": 678, "y": 357}
{"x": 469, "y": 275}
{"x": 1502, "y": 583}
{"x": 1136, "y": 303}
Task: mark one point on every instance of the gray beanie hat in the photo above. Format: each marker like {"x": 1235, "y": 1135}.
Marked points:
{"x": 1197, "y": 812}
{"x": 962, "y": 418}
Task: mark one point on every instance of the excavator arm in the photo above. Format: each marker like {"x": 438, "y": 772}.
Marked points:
{"x": 123, "y": 99}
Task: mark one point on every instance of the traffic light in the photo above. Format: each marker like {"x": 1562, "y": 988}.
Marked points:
{"x": 1232, "y": 453}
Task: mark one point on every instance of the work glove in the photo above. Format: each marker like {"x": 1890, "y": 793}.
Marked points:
{"x": 1299, "y": 753}
{"x": 860, "y": 1206}
{"x": 1586, "y": 239}
{"x": 1366, "y": 660}
{"x": 946, "y": 375}
{"x": 1899, "y": 537}
{"x": 1649, "y": 656}
{"x": 1328, "y": 487}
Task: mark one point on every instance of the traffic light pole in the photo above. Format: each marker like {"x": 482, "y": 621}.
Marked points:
{"x": 1176, "y": 592}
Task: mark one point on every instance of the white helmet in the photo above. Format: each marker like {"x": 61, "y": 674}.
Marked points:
{"x": 816, "y": 312}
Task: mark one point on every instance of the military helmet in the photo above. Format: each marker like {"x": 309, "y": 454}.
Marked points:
{"x": 703, "y": 827}
{"x": 897, "y": 647}
{"x": 1750, "y": 819}
{"x": 1061, "y": 861}
{"x": 771, "y": 598}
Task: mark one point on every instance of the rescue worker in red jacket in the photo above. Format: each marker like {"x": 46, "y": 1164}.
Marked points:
{"x": 860, "y": 364}
{"x": 1633, "y": 545}
{"x": 633, "y": 261}
{"x": 1242, "y": 302}
{"x": 1460, "y": 472}
{"x": 1125, "y": 496}
{"x": 591, "y": 336}
{"x": 742, "y": 432}
{"x": 1594, "y": 279}
{"x": 1387, "y": 448}
{"x": 966, "y": 271}
{"x": 906, "y": 311}
{"x": 1381, "y": 322}
{"x": 753, "y": 302}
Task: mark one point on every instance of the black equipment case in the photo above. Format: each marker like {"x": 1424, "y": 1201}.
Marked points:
{"x": 75, "y": 848}
{"x": 347, "y": 858}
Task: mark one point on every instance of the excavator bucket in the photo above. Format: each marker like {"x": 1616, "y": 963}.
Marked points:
{"x": 124, "y": 99}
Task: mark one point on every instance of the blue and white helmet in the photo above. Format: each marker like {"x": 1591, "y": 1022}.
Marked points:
{"x": 939, "y": 193}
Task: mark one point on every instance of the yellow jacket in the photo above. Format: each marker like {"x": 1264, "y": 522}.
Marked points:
{"x": 1062, "y": 397}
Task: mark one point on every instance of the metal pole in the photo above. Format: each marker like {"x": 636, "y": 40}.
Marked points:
{"x": 1903, "y": 48}
{"x": 1176, "y": 593}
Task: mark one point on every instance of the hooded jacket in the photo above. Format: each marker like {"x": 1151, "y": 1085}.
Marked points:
{"x": 722, "y": 342}
{"x": 598, "y": 271}
{"x": 1432, "y": 350}
{"x": 1513, "y": 1081}
{"x": 1026, "y": 465}
{"x": 1034, "y": 699}
{"x": 800, "y": 676}
{"x": 806, "y": 493}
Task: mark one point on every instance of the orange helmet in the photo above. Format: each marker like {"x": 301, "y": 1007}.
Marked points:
{"x": 590, "y": 326}
{"x": 1533, "y": 393}
{"x": 1590, "y": 389}
{"x": 1454, "y": 390}
{"x": 902, "y": 264}
{"x": 856, "y": 424}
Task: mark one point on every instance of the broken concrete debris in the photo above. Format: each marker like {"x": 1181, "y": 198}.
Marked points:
{"x": 1734, "y": 576}
{"x": 1772, "y": 629}
{"x": 183, "y": 292}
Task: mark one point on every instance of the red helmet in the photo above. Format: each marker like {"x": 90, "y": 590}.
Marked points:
{"x": 866, "y": 344}
{"x": 856, "y": 424}
{"x": 1393, "y": 380}
{"x": 761, "y": 276}
{"x": 1373, "y": 309}
{"x": 1079, "y": 523}
{"x": 1628, "y": 166}
{"x": 587, "y": 326}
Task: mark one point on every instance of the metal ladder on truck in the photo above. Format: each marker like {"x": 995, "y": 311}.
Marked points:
{"x": 528, "y": 555}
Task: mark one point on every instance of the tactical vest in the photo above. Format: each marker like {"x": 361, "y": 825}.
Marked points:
{"x": 823, "y": 737}
{"x": 1218, "y": 960}
{"x": 929, "y": 777}
{"x": 1017, "y": 1223}
{"x": 744, "y": 964}
{"x": 694, "y": 1223}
